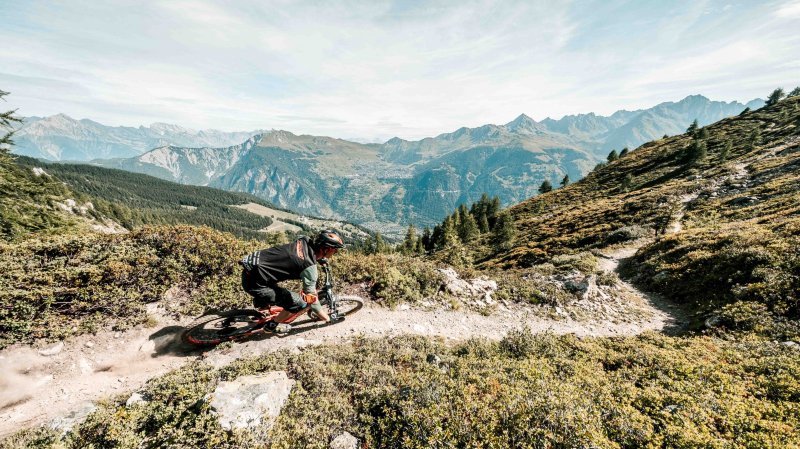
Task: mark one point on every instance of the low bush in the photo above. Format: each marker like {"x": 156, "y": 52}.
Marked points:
{"x": 390, "y": 278}
{"x": 527, "y": 391}
{"x": 54, "y": 286}
{"x": 754, "y": 267}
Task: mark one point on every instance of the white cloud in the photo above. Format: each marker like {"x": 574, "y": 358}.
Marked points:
{"x": 382, "y": 68}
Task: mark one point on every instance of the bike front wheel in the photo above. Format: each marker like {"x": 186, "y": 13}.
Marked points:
{"x": 345, "y": 306}
{"x": 215, "y": 328}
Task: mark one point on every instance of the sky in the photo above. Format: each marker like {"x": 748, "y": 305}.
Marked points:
{"x": 371, "y": 70}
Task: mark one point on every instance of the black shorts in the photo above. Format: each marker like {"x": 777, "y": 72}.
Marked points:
{"x": 264, "y": 296}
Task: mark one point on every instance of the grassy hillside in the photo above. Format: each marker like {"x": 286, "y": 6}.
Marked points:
{"x": 739, "y": 208}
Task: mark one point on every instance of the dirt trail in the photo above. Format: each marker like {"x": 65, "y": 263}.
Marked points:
{"x": 37, "y": 387}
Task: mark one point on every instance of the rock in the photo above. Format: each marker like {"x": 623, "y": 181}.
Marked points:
{"x": 713, "y": 321}
{"x": 52, "y": 350}
{"x": 85, "y": 366}
{"x": 135, "y": 399}
{"x": 403, "y": 307}
{"x": 148, "y": 347}
{"x": 478, "y": 289}
{"x": 791, "y": 344}
{"x": 77, "y": 416}
{"x": 246, "y": 401}
{"x": 89, "y": 344}
{"x": 670, "y": 408}
{"x": 345, "y": 441}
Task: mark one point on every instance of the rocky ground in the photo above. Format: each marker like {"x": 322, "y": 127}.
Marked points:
{"x": 56, "y": 384}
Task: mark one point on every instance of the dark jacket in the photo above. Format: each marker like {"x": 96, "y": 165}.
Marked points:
{"x": 279, "y": 263}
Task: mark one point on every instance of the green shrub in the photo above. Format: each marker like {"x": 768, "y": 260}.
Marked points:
{"x": 54, "y": 286}
{"x": 390, "y": 278}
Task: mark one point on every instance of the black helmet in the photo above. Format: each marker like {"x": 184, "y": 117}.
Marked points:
{"x": 328, "y": 239}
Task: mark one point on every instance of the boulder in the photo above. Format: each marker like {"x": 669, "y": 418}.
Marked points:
{"x": 65, "y": 423}
{"x": 249, "y": 401}
{"x": 479, "y": 289}
{"x": 345, "y": 441}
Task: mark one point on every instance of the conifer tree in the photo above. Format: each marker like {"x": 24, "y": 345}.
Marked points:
{"x": 380, "y": 244}
{"x": 449, "y": 234}
{"x": 483, "y": 223}
{"x": 755, "y": 138}
{"x": 726, "y": 150}
{"x": 627, "y": 182}
{"x": 565, "y": 180}
{"x": 612, "y": 156}
{"x": 504, "y": 231}
{"x": 468, "y": 228}
{"x": 697, "y": 152}
{"x": 493, "y": 210}
{"x": 425, "y": 240}
{"x": 745, "y": 111}
{"x": 7, "y": 119}
{"x": 775, "y": 97}
{"x": 795, "y": 92}
{"x": 665, "y": 136}
{"x": 703, "y": 133}
{"x": 410, "y": 241}
{"x": 692, "y": 129}
{"x": 545, "y": 187}
{"x": 599, "y": 166}
{"x": 624, "y": 152}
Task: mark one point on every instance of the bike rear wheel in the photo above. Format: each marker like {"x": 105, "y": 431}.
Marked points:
{"x": 215, "y": 328}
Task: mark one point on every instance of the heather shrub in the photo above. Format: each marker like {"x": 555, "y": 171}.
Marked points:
{"x": 526, "y": 391}
{"x": 54, "y": 286}
{"x": 390, "y": 278}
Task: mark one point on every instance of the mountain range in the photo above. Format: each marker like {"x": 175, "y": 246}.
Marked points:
{"x": 385, "y": 186}
{"x": 60, "y": 138}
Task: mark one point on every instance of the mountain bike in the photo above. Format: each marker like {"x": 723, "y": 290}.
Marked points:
{"x": 239, "y": 324}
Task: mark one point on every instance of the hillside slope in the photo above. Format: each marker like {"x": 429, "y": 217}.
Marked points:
{"x": 738, "y": 214}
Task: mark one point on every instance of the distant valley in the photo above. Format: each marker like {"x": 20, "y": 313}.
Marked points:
{"x": 384, "y": 186}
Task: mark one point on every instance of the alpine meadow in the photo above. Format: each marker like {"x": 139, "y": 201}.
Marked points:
{"x": 625, "y": 278}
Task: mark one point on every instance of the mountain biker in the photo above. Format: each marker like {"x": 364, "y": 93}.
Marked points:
{"x": 263, "y": 270}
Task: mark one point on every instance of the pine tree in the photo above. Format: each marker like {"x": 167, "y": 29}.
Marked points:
{"x": 795, "y": 92}
{"x": 665, "y": 136}
{"x": 697, "y": 152}
{"x": 612, "y": 156}
{"x": 624, "y": 152}
{"x": 449, "y": 234}
{"x": 380, "y": 244}
{"x": 409, "y": 244}
{"x": 545, "y": 187}
{"x": 565, "y": 180}
{"x": 425, "y": 240}
{"x": 745, "y": 111}
{"x": 600, "y": 165}
{"x": 468, "y": 229}
{"x": 726, "y": 150}
{"x": 627, "y": 182}
{"x": 692, "y": 129}
{"x": 483, "y": 223}
{"x": 7, "y": 119}
{"x": 504, "y": 231}
{"x": 493, "y": 210}
{"x": 755, "y": 137}
{"x": 775, "y": 97}
{"x": 703, "y": 134}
